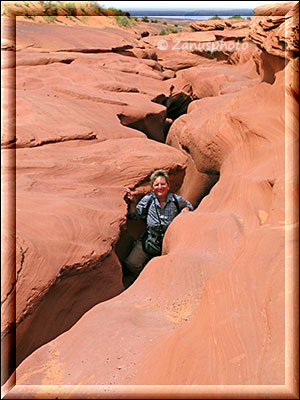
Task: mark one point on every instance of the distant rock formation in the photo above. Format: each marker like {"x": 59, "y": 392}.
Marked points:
{"x": 219, "y": 24}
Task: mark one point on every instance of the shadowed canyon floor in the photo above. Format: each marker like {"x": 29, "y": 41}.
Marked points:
{"x": 99, "y": 108}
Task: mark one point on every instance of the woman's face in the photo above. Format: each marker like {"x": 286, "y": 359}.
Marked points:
{"x": 160, "y": 187}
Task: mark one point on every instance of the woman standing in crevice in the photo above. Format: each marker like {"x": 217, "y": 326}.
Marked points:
{"x": 157, "y": 209}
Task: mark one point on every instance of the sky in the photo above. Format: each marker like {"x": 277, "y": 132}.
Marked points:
{"x": 196, "y": 5}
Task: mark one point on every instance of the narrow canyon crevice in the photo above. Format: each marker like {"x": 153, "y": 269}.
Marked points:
{"x": 194, "y": 186}
{"x": 73, "y": 293}
{"x": 102, "y": 117}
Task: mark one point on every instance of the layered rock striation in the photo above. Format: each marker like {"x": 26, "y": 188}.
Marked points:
{"x": 220, "y": 24}
{"x": 80, "y": 124}
{"x": 212, "y": 310}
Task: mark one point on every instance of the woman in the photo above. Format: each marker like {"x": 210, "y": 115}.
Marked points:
{"x": 157, "y": 209}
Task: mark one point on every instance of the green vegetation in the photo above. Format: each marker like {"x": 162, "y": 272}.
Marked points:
{"x": 154, "y": 21}
{"x": 236, "y": 17}
{"x": 71, "y": 8}
{"x": 94, "y": 6}
{"x": 50, "y": 7}
{"x": 99, "y": 10}
{"x": 124, "y": 21}
{"x": 181, "y": 23}
{"x": 119, "y": 12}
{"x": 167, "y": 31}
{"x": 215, "y": 17}
{"x": 145, "y": 19}
{"x": 165, "y": 23}
{"x": 50, "y": 18}
{"x": 82, "y": 9}
{"x": 249, "y": 18}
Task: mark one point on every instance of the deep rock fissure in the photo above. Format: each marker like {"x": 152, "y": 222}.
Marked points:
{"x": 96, "y": 51}
{"x": 176, "y": 106}
{"x": 52, "y": 305}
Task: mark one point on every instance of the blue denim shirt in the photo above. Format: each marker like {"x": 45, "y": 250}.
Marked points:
{"x": 158, "y": 219}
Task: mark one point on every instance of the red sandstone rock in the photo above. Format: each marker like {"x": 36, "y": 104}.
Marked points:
{"x": 277, "y": 33}
{"x": 237, "y": 34}
{"x": 84, "y": 39}
{"x": 98, "y": 95}
{"x": 205, "y": 81}
{"x": 209, "y": 305}
{"x": 71, "y": 107}
{"x": 172, "y": 39}
{"x": 211, "y": 310}
{"x": 176, "y": 60}
{"x": 144, "y": 53}
{"x": 237, "y": 24}
{"x": 253, "y": 280}
{"x": 219, "y": 24}
{"x": 69, "y": 212}
{"x": 276, "y": 9}
{"x": 208, "y": 25}
{"x": 173, "y": 50}
{"x": 248, "y": 51}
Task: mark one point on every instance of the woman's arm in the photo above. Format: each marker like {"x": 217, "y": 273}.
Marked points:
{"x": 137, "y": 210}
{"x": 129, "y": 198}
{"x": 184, "y": 204}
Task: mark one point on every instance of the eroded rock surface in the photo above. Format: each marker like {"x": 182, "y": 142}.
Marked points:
{"x": 210, "y": 310}
{"x": 81, "y": 130}
{"x": 69, "y": 210}
{"x": 219, "y": 24}
{"x": 276, "y": 29}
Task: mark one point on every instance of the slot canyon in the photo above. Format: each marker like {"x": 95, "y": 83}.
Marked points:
{"x": 90, "y": 108}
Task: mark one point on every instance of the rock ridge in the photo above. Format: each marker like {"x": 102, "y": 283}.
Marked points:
{"x": 210, "y": 310}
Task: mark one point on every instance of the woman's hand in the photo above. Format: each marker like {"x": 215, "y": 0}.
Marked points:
{"x": 130, "y": 200}
{"x": 128, "y": 196}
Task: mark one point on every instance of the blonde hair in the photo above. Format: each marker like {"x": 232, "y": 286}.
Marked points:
{"x": 156, "y": 174}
